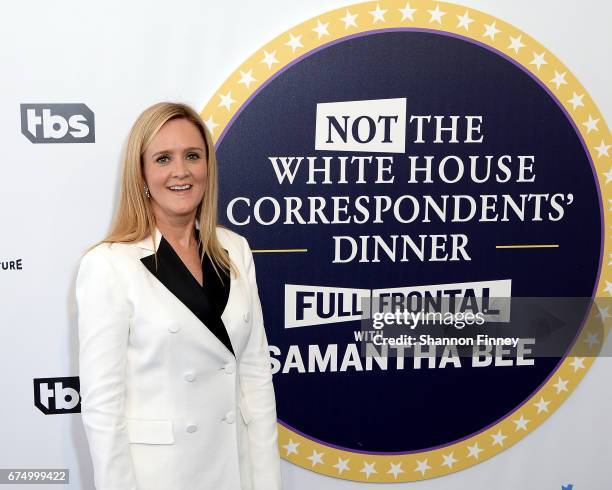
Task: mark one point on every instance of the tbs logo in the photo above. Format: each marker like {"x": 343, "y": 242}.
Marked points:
{"x": 57, "y": 123}
{"x": 57, "y": 395}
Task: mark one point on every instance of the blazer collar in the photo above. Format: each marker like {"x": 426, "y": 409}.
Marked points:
{"x": 147, "y": 244}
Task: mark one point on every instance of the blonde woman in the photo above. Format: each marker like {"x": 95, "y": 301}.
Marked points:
{"x": 176, "y": 386}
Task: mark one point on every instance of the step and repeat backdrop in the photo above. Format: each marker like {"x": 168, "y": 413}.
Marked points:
{"x": 422, "y": 157}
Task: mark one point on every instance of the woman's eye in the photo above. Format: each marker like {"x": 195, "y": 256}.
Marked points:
{"x": 162, "y": 159}
{"x": 193, "y": 156}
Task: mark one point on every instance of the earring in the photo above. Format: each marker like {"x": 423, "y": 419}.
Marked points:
{"x": 146, "y": 191}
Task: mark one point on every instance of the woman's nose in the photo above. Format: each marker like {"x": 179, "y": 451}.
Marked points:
{"x": 180, "y": 167}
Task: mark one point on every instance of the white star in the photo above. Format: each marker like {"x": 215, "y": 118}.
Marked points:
{"x": 561, "y": 385}
{"x": 474, "y": 451}
{"x": 576, "y": 100}
{"x": 491, "y": 30}
{"x": 269, "y": 58}
{"x": 516, "y": 44}
{"x": 449, "y": 460}
{"x": 342, "y": 465}
{"x": 407, "y": 12}
{"x": 210, "y": 124}
{"x": 538, "y": 60}
{"x": 436, "y": 16}
{"x": 609, "y": 263}
{"x": 591, "y": 124}
{"x": 226, "y": 100}
{"x": 610, "y": 201}
{"x": 608, "y": 175}
{"x": 464, "y": 21}
{"x": 422, "y": 466}
{"x": 349, "y": 20}
{"x": 368, "y": 469}
{"x": 316, "y": 458}
{"x": 377, "y": 14}
{"x": 396, "y": 469}
{"x": 521, "y": 424}
{"x": 291, "y": 447}
{"x": 294, "y": 42}
{"x": 608, "y": 288}
{"x": 542, "y": 405}
{"x": 603, "y": 312}
{"x": 559, "y": 79}
{"x": 321, "y": 29}
{"x": 246, "y": 78}
{"x": 591, "y": 340}
{"x": 577, "y": 363}
{"x": 498, "y": 439}
{"x": 602, "y": 149}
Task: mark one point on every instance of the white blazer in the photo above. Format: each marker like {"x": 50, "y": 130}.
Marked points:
{"x": 165, "y": 404}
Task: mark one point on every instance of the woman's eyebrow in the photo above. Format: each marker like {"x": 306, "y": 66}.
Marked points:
{"x": 191, "y": 148}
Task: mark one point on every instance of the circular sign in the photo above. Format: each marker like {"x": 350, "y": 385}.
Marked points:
{"x": 391, "y": 154}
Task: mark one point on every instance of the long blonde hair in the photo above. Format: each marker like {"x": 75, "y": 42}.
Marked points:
{"x": 134, "y": 219}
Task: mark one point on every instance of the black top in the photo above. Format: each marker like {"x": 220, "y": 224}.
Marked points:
{"x": 206, "y": 302}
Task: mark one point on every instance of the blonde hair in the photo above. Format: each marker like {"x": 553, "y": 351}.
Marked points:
{"x": 134, "y": 219}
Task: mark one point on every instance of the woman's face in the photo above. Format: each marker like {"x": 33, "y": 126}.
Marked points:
{"x": 176, "y": 157}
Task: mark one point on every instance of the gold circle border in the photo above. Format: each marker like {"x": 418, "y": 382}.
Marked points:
{"x": 529, "y": 53}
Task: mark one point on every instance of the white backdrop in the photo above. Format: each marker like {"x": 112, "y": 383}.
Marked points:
{"x": 56, "y": 199}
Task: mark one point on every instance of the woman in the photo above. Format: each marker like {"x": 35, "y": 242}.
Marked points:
{"x": 176, "y": 388}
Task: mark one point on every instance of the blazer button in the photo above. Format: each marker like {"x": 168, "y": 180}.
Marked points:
{"x": 230, "y": 417}
{"x": 189, "y": 376}
{"x": 191, "y": 428}
{"x": 246, "y": 316}
{"x": 229, "y": 368}
{"x": 173, "y": 328}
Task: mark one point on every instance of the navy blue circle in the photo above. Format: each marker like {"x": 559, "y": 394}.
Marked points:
{"x": 409, "y": 410}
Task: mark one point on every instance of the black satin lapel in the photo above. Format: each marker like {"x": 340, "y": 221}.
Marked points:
{"x": 207, "y": 303}
{"x": 216, "y": 290}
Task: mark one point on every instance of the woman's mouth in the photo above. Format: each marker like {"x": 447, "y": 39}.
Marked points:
{"x": 180, "y": 189}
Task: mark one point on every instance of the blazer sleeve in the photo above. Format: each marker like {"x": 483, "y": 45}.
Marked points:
{"x": 103, "y": 324}
{"x": 257, "y": 387}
